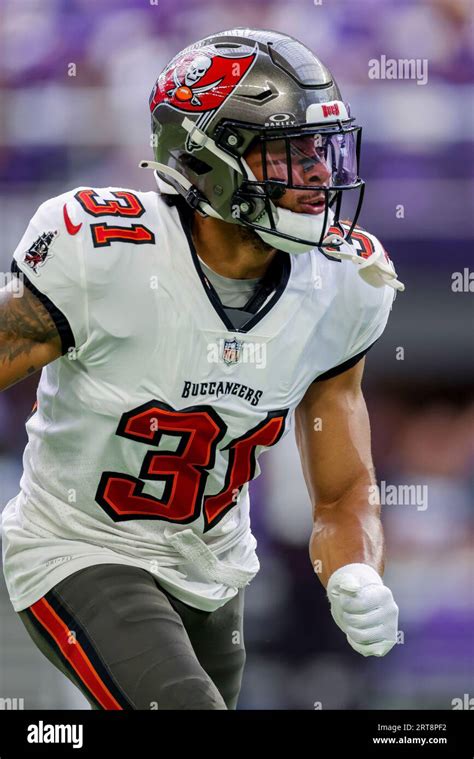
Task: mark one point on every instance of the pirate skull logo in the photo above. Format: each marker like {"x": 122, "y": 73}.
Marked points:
{"x": 185, "y": 90}
{"x": 196, "y": 70}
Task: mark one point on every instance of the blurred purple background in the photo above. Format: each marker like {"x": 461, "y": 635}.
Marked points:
{"x": 75, "y": 76}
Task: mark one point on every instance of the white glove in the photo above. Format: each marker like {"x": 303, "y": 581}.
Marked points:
{"x": 363, "y": 607}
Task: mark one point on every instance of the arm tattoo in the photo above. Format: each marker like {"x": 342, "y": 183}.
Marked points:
{"x": 24, "y": 322}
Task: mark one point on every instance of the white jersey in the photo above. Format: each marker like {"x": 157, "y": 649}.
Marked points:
{"x": 149, "y": 427}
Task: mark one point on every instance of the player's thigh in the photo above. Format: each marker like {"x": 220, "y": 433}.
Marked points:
{"x": 218, "y": 641}
{"x": 118, "y": 637}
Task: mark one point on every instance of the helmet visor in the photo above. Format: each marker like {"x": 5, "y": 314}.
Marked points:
{"x": 302, "y": 170}
{"x": 315, "y": 160}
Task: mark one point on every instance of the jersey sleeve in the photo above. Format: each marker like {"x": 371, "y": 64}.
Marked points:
{"x": 372, "y": 303}
{"x": 366, "y": 313}
{"x": 48, "y": 259}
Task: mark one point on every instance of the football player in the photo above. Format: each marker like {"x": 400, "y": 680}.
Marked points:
{"x": 181, "y": 333}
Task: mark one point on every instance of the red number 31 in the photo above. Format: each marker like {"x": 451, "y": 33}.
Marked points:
{"x": 126, "y": 204}
{"x": 185, "y": 470}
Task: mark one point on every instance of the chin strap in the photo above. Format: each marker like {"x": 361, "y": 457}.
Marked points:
{"x": 376, "y": 270}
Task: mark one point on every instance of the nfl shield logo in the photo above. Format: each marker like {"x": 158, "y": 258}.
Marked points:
{"x": 231, "y": 352}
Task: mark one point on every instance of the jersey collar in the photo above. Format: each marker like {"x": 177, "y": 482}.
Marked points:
{"x": 275, "y": 278}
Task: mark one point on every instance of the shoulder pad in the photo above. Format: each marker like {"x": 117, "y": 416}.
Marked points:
{"x": 367, "y": 252}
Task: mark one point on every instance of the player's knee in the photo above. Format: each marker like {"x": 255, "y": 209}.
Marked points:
{"x": 191, "y": 693}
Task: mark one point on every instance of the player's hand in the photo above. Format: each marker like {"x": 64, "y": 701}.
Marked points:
{"x": 363, "y": 607}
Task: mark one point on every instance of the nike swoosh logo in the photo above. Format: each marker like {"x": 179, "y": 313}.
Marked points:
{"x": 73, "y": 229}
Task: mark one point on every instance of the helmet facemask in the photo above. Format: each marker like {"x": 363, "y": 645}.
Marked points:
{"x": 314, "y": 163}
{"x": 303, "y": 174}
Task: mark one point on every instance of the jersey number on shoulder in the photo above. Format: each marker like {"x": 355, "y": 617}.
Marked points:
{"x": 126, "y": 204}
{"x": 185, "y": 469}
{"x": 358, "y": 238}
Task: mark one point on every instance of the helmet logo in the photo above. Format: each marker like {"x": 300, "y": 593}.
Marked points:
{"x": 330, "y": 110}
{"x": 194, "y": 73}
{"x": 200, "y": 82}
{"x": 281, "y": 119}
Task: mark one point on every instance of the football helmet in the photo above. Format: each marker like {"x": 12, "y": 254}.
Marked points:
{"x": 245, "y": 90}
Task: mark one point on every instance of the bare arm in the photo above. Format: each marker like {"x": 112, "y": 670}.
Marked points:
{"x": 338, "y": 469}
{"x": 28, "y": 336}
